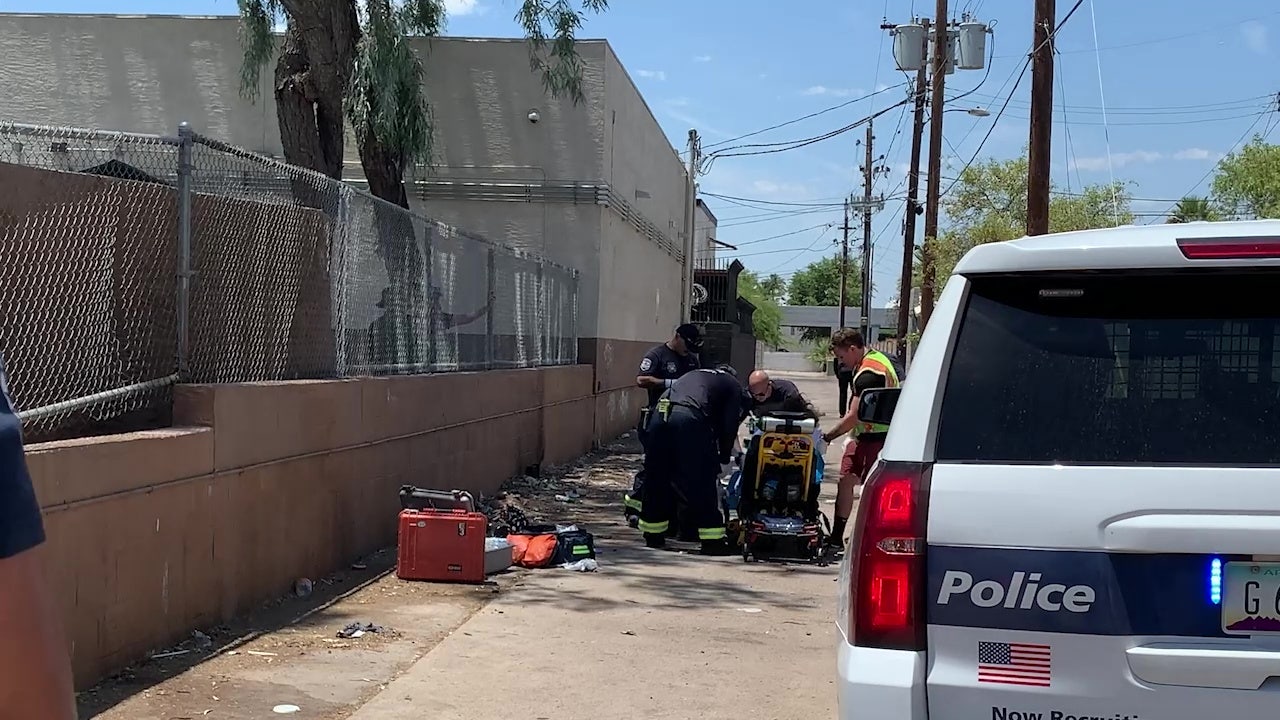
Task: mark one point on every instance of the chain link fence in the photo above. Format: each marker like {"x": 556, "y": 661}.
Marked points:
{"x": 133, "y": 262}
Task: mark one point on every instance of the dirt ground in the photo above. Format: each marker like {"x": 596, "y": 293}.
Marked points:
{"x": 288, "y": 652}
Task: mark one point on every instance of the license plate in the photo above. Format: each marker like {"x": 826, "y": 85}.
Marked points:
{"x": 1251, "y": 598}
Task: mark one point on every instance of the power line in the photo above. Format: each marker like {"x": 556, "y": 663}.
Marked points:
{"x": 795, "y": 144}
{"x": 802, "y": 118}
{"x": 1198, "y": 33}
{"x": 762, "y": 201}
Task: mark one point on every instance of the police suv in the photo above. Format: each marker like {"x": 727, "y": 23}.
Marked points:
{"x": 1077, "y": 511}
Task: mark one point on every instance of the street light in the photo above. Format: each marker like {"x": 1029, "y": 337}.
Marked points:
{"x": 975, "y": 112}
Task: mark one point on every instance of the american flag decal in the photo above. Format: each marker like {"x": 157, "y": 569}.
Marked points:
{"x": 1014, "y": 664}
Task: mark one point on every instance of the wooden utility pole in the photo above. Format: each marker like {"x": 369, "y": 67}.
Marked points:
{"x": 844, "y": 263}
{"x": 868, "y": 174}
{"x": 913, "y": 209}
{"x": 941, "y": 45}
{"x": 690, "y": 227}
{"x": 1041, "y": 120}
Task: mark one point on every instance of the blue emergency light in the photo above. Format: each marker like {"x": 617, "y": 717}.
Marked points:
{"x": 1215, "y": 581}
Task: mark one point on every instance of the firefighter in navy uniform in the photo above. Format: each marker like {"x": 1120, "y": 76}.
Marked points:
{"x": 691, "y": 435}
{"x": 660, "y": 367}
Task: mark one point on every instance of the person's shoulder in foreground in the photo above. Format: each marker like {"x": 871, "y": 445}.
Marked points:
{"x": 35, "y": 670}
{"x": 21, "y": 527}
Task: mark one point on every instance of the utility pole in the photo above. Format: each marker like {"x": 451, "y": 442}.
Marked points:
{"x": 933, "y": 188}
{"x": 844, "y": 263}
{"x": 1041, "y": 120}
{"x": 913, "y": 207}
{"x": 868, "y": 171}
{"x": 690, "y": 225}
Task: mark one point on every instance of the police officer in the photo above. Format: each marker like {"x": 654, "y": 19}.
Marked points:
{"x": 35, "y": 669}
{"x": 661, "y": 366}
{"x": 691, "y": 435}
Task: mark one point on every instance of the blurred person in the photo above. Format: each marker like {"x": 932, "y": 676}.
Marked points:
{"x": 873, "y": 369}
{"x": 35, "y": 666}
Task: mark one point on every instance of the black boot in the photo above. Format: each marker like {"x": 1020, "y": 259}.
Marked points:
{"x": 655, "y": 540}
{"x": 716, "y": 548}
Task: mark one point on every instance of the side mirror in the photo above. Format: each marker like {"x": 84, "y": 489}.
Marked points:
{"x": 877, "y": 405}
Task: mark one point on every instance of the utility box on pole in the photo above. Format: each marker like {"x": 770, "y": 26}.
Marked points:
{"x": 908, "y": 46}
{"x": 972, "y": 45}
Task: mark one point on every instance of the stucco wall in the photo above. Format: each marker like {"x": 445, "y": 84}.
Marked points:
{"x": 149, "y": 73}
{"x": 155, "y": 533}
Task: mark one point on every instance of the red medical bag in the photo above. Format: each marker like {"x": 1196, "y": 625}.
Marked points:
{"x": 441, "y": 545}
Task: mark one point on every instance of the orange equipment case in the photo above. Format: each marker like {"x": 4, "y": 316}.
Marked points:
{"x": 442, "y": 545}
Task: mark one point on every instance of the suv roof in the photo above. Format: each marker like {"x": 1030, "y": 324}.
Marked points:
{"x": 1127, "y": 247}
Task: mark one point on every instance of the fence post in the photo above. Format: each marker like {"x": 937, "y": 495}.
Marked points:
{"x": 573, "y": 328}
{"x": 185, "y": 142}
{"x": 490, "y": 297}
{"x": 540, "y": 312}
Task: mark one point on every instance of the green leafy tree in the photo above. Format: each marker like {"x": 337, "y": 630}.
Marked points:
{"x": 351, "y": 59}
{"x": 1247, "y": 183}
{"x": 988, "y": 203}
{"x": 818, "y": 283}
{"x": 767, "y": 320}
{"x": 775, "y": 287}
{"x": 1193, "y": 209}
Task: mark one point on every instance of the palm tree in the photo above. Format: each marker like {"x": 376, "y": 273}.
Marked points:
{"x": 1193, "y": 209}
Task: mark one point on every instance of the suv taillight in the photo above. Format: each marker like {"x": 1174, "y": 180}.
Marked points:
{"x": 887, "y": 600}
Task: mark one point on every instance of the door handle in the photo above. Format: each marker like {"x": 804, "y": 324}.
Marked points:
{"x": 1198, "y": 533}
{"x": 1210, "y": 666}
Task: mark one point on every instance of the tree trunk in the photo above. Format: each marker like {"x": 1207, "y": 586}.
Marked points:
{"x": 408, "y": 270}
{"x": 311, "y": 77}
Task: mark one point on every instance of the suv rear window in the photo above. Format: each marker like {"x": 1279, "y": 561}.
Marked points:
{"x": 1175, "y": 368}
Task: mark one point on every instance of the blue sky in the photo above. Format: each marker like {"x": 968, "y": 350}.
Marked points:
{"x": 1180, "y": 89}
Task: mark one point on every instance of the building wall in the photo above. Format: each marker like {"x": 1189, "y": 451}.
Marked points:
{"x": 704, "y": 236}
{"x": 156, "y": 533}
{"x": 148, "y": 74}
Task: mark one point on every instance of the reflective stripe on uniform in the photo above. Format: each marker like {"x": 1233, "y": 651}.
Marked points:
{"x": 877, "y": 362}
{"x": 632, "y": 503}
{"x": 654, "y": 528}
{"x": 718, "y": 533}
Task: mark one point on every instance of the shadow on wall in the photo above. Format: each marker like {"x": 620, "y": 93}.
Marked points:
{"x": 152, "y": 534}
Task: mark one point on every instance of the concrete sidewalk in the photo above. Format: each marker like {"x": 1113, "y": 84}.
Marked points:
{"x": 653, "y": 633}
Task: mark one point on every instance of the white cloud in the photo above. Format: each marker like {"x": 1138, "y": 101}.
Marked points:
{"x": 1255, "y": 36}
{"x": 1142, "y": 157}
{"x": 774, "y": 190}
{"x": 881, "y": 87}
{"x": 702, "y": 58}
{"x": 652, "y": 74}
{"x": 831, "y": 92}
{"x": 458, "y": 8}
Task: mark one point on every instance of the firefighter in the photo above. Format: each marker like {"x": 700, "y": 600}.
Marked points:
{"x": 692, "y": 432}
{"x": 660, "y": 367}
{"x": 873, "y": 369}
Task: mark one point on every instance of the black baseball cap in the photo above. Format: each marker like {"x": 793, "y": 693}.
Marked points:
{"x": 691, "y": 334}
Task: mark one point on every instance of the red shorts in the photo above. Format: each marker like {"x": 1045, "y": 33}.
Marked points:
{"x": 859, "y": 456}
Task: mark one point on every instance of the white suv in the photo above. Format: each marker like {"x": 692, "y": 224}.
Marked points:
{"x": 1077, "y": 511}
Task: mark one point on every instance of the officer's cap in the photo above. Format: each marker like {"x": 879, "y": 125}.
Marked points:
{"x": 691, "y": 334}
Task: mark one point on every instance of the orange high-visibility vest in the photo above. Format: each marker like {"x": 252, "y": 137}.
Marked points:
{"x": 877, "y": 362}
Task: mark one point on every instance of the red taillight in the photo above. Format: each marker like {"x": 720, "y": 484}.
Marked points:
{"x": 887, "y": 600}
{"x": 1229, "y": 248}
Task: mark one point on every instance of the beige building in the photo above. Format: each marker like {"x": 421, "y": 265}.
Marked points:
{"x": 595, "y": 186}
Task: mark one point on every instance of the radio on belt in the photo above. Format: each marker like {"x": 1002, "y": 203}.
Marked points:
{"x": 444, "y": 545}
